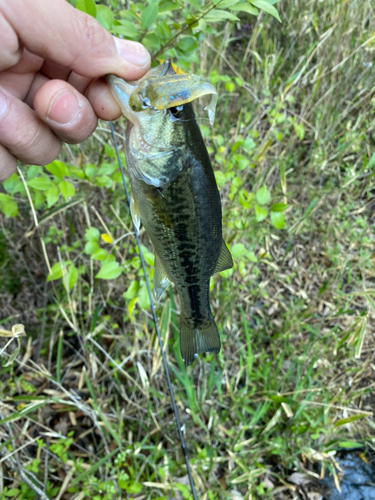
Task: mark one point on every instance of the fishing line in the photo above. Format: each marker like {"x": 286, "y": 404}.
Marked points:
{"x": 166, "y": 369}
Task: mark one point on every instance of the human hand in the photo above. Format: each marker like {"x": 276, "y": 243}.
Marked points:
{"x": 50, "y": 57}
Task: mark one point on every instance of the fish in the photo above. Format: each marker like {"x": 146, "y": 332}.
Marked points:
{"x": 174, "y": 194}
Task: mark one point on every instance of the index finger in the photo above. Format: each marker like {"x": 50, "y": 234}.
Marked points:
{"x": 56, "y": 31}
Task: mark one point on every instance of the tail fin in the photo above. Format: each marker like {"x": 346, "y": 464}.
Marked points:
{"x": 194, "y": 341}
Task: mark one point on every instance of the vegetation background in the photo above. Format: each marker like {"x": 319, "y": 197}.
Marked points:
{"x": 84, "y": 408}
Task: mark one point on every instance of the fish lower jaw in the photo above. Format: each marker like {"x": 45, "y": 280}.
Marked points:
{"x": 138, "y": 144}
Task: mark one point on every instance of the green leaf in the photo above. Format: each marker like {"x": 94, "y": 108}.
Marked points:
{"x": 266, "y": 7}
{"x": 194, "y": 3}
{"x": 109, "y": 258}
{"x": 134, "y": 487}
{"x": 279, "y": 207}
{"x": 92, "y": 234}
{"x": 131, "y": 307}
{"x": 167, "y": 6}
{"x": 238, "y": 250}
{"x": 260, "y": 213}
{"x": 67, "y": 189}
{"x": 371, "y": 163}
{"x": 12, "y": 492}
{"x": 299, "y": 129}
{"x": 90, "y": 171}
{"x": 33, "y": 171}
{"x": 109, "y": 271}
{"x": 104, "y": 16}
{"x": 217, "y": 15}
{"x": 56, "y": 272}
{"x": 14, "y": 354}
{"x": 93, "y": 468}
{"x": 277, "y": 220}
{"x": 226, "y": 4}
{"x": 40, "y": 183}
{"x": 14, "y": 185}
{"x": 132, "y": 291}
{"x": 282, "y": 399}
{"x": 149, "y": 15}
{"x": 39, "y": 199}
{"x": 52, "y": 195}
{"x": 151, "y": 42}
{"x": 73, "y": 275}
{"x": 87, "y": 6}
{"x": 57, "y": 169}
{"x": 349, "y": 444}
{"x": 100, "y": 254}
{"x": 263, "y": 196}
{"x": 127, "y": 29}
{"x": 104, "y": 181}
{"x": 8, "y": 206}
{"x": 187, "y": 44}
{"x": 143, "y": 297}
{"x": 107, "y": 169}
{"x": 245, "y": 7}
{"x": 76, "y": 172}
{"x": 220, "y": 178}
{"x": 353, "y": 418}
{"x": 91, "y": 247}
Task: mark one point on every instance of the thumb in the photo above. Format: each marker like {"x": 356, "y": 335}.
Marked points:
{"x": 56, "y": 31}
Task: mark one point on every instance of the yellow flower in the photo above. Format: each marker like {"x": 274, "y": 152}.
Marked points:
{"x": 107, "y": 238}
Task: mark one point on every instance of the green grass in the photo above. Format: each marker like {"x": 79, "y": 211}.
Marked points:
{"x": 91, "y": 416}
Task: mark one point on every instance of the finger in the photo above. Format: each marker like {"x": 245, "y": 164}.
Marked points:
{"x": 80, "y": 83}
{"x": 65, "y": 110}
{"x": 54, "y": 71}
{"x": 18, "y": 79}
{"x": 102, "y": 101}
{"x": 11, "y": 50}
{"x": 58, "y": 32}
{"x": 35, "y": 85}
{"x": 8, "y": 163}
{"x": 24, "y": 134}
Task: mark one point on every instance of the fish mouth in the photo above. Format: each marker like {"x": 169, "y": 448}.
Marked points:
{"x": 121, "y": 91}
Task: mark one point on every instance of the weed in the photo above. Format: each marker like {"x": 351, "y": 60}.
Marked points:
{"x": 84, "y": 407}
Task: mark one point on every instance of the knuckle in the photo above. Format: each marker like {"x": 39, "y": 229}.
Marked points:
{"x": 10, "y": 53}
{"x": 94, "y": 34}
{"x": 36, "y": 144}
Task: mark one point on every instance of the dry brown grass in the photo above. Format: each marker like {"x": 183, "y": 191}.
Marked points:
{"x": 298, "y": 325}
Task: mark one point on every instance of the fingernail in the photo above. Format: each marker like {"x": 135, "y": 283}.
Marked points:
{"x": 64, "y": 108}
{"x": 132, "y": 52}
{"x": 3, "y": 104}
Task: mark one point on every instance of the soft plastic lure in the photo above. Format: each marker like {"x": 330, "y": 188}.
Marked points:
{"x": 170, "y": 91}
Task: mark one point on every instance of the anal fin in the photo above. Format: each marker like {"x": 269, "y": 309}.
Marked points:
{"x": 225, "y": 260}
{"x": 135, "y": 212}
{"x": 161, "y": 280}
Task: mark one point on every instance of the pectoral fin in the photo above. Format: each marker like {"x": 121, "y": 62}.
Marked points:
{"x": 135, "y": 212}
{"x": 225, "y": 260}
{"x": 161, "y": 280}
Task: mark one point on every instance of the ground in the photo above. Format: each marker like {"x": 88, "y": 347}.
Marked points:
{"x": 84, "y": 404}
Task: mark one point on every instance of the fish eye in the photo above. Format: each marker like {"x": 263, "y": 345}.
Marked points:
{"x": 176, "y": 113}
{"x": 146, "y": 103}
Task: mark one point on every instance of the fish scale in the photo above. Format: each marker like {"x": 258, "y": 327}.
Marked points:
{"x": 176, "y": 198}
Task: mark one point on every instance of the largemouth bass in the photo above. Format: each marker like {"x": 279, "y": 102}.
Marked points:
{"x": 174, "y": 194}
